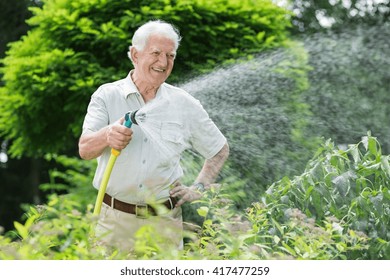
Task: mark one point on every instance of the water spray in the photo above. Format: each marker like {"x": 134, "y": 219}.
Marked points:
{"x": 129, "y": 120}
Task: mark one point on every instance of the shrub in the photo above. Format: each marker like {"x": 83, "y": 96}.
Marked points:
{"x": 351, "y": 185}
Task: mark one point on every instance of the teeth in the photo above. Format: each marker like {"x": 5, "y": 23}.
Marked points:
{"x": 159, "y": 70}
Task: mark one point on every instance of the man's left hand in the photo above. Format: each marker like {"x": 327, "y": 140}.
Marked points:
{"x": 186, "y": 194}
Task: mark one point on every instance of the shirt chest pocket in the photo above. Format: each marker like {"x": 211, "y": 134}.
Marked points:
{"x": 173, "y": 133}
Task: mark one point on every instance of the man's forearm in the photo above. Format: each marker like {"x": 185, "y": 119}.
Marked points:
{"x": 213, "y": 166}
{"x": 207, "y": 176}
{"x": 92, "y": 145}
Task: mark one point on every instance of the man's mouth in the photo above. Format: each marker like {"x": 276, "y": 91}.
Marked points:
{"x": 159, "y": 70}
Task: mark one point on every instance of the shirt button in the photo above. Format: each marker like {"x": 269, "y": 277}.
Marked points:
{"x": 146, "y": 140}
{"x": 144, "y": 161}
{"x": 140, "y": 186}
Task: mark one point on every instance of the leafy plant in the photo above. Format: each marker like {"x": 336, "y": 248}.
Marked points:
{"x": 72, "y": 176}
{"x": 349, "y": 184}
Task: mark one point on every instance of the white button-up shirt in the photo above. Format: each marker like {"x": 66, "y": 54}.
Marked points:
{"x": 169, "y": 124}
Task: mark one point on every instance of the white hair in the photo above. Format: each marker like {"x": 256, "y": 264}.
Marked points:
{"x": 153, "y": 27}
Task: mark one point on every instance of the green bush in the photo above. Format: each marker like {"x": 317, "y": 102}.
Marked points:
{"x": 56, "y": 231}
{"x": 351, "y": 185}
{"x": 73, "y": 177}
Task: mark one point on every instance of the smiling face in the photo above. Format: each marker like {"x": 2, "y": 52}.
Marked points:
{"x": 154, "y": 63}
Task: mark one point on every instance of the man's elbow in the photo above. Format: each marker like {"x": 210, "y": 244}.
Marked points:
{"x": 83, "y": 150}
{"x": 224, "y": 152}
{"x": 227, "y": 149}
{"x": 83, "y": 156}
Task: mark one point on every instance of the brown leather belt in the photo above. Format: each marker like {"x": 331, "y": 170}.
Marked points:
{"x": 141, "y": 211}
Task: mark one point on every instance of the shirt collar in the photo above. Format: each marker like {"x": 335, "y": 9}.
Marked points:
{"x": 128, "y": 86}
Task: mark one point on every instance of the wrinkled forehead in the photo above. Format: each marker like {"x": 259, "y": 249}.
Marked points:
{"x": 160, "y": 43}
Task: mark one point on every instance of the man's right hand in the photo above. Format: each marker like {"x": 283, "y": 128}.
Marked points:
{"x": 118, "y": 136}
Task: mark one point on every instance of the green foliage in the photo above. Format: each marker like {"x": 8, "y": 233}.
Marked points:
{"x": 337, "y": 209}
{"x": 75, "y": 46}
{"x": 319, "y": 16}
{"x": 233, "y": 28}
{"x": 74, "y": 177}
{"x": 299, "y": 237}
{"x": 57, "y": 231}
{"x": 350, "y": 185}
{"x": 223, "y": 233}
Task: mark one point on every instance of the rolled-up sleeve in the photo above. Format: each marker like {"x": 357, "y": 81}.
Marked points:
{"x": 97, "y": 115}
{"x": 206, "y": 138}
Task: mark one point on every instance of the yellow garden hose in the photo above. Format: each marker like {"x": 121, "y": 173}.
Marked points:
{"x": 107, "y": 172}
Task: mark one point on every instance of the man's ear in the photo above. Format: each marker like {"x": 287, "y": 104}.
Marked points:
{"x": 134, "y": 55}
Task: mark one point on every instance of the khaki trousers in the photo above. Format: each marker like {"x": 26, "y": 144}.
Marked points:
{"x": 123, "y": 230}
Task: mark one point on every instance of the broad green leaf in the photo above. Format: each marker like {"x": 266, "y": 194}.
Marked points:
{"x": 355, "y": 153}
{"x": 308, "y": 192}
{"x": 365, "y": 142}
{"x": 202, "y": 211}
{"x": 372, "y": 146}
{"x": 289, "y": 249}
{"x": 385, "y": 165}
{"x": 21, "y": 229}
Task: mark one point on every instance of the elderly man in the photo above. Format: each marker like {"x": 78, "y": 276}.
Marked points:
{"x": 142, "y": 179}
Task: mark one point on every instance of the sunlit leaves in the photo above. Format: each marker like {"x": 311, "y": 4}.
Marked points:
{"x": 356, "y": 190}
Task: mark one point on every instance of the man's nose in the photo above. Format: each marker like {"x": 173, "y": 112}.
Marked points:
{"x": 163, "y": 59}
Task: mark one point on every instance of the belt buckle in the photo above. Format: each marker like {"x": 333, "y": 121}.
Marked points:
{"x": 141, "y": 211}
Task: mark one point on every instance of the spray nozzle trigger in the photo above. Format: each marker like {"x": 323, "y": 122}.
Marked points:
{"x": 127, "y": 121}
{"x": 130, "y": 119}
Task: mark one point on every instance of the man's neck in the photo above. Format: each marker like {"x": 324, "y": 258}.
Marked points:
{"x": 147, "y": 91}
